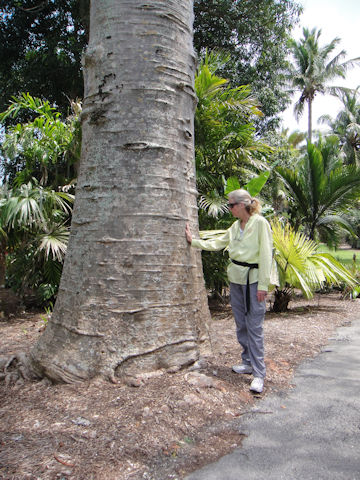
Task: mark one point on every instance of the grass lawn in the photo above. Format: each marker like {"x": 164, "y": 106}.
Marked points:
{"x": 343, "y": 255}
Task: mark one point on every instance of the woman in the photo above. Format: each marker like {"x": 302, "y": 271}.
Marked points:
{"x": 249, "y": 242}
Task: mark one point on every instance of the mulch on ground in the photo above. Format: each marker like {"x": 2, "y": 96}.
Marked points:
{"x": 163, "y": 429}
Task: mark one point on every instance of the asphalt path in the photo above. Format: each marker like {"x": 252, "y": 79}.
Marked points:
{"x": 311, "y": 432}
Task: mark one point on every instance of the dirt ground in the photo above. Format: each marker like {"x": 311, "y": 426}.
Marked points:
{"x": 163, "y": 429}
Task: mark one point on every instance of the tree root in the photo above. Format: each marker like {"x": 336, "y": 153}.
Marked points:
{"x": 16, "y": 369}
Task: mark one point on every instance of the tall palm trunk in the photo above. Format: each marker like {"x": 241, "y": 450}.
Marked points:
{"x": 309, "y": 100}
{"x": 132, "y": 296}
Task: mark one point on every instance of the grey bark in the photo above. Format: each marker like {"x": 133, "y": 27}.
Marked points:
{"x": 132, "y": 295}
{"x": 310, "y": 100}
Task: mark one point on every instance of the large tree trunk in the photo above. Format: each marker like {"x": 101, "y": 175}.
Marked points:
{"x": 132, "y": 295}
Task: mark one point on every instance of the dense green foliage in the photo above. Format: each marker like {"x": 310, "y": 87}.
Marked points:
{"x": 41, "y": 44}
{"x": 34, "y": 225}
{"x": 225, "y": 137}
{"x": 346, "y": 126}
{"x": 321, "y": 188}
{"x": 225, "y": 146}
{"x": 256, "y": 38}
{"x": 46, "y": 148}
{"x": 38, "y": 160}
{"x": 301, "y": 265}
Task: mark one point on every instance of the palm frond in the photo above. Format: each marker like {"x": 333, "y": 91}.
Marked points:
{"x": 213, "y": 204}
{"x": 53, "y": 243}
{"x": 299, "y": 264}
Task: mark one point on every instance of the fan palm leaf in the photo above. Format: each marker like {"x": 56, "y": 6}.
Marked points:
{"x": 299, "y": 264}
{"x": 53, "y": 242}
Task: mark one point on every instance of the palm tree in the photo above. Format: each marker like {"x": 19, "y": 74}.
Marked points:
{"x": 225, "y": 140}
{"x": 45, "y": 146}
{"x": 314, "y": 69}
{"x": 34, "y": 229}
{"x": 320, "y": 189}
{"x": 347, "y": 126}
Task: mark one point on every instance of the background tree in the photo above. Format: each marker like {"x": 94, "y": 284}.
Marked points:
{"x": 132, "y": 296}
{"x": 41, "y": 44}
{"x": 256, "y": 39}
{"x": 346, "y": 126}
{"x": 46, "y": 148}
{"x": 314, "y": 69}
{"x": 321, "y": 189}
{"x": 225, "y": 136}
{"x": 286, "y": 149}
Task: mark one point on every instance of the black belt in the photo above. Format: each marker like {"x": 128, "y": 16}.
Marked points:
{"x": 250, "y": 266}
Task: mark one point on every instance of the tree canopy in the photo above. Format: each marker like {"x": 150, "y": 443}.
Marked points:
{"x": 41, "y": 44}
{"x": 314, "y": 69}
{"x": 321, "y": 189}
{"x": 256, "y": 38}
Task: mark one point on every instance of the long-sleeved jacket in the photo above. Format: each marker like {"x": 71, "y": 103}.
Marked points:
{"x": 253, "y": 246}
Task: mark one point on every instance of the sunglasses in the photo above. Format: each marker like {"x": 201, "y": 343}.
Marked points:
{"x": 231, "y": 205}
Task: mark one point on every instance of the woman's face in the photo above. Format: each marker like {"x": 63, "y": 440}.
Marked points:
{"x": 235, "y": 208}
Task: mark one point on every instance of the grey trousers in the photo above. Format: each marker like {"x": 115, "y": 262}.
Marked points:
{"x": 249, "y": 326}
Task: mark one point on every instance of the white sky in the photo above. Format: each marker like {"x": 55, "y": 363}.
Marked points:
{"x": 335, "y": 18}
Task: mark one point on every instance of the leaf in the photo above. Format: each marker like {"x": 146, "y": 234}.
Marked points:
{"x": 299, "y": 264}
{"x": 232, "y": 183}
{"x": 256, "y": 184}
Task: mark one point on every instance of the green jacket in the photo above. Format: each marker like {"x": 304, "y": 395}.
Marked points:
{"x": 253, "y": 246}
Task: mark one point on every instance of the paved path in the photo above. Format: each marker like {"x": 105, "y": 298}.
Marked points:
{"x": 309, "y": 433}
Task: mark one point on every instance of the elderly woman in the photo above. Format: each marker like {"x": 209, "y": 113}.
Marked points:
{"x": 249, "y": 242}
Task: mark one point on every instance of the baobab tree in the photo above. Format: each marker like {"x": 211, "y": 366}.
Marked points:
{"x": 132, "y": 296}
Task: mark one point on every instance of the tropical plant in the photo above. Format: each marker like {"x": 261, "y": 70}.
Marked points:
{"x": 346, "y": 126}
{"x": 287, "y": 148}
{"x": 41, "y": 45}
{"x": 35, "y": 225}
{"x": 44, "y": 147}
{"x": 353, "y": 218}
{"x": 256, "y": 40}
{"x": 350, "y": 291}
{"x": 300, "y": 266}
{"x": 225, "y": 140}
{"x": 313, "y": 69}
{"x": 320, "y": 190}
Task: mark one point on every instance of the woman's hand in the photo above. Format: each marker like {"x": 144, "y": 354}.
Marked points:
{"x": 261, "y": 295}
{"x": 188, "y": 234}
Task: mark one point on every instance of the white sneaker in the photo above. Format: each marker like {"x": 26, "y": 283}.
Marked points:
{"x": 257, "y": 385}
{"x": 242, "y": 368}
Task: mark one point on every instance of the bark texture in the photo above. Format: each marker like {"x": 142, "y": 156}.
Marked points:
{"x": 132, "y": 295}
